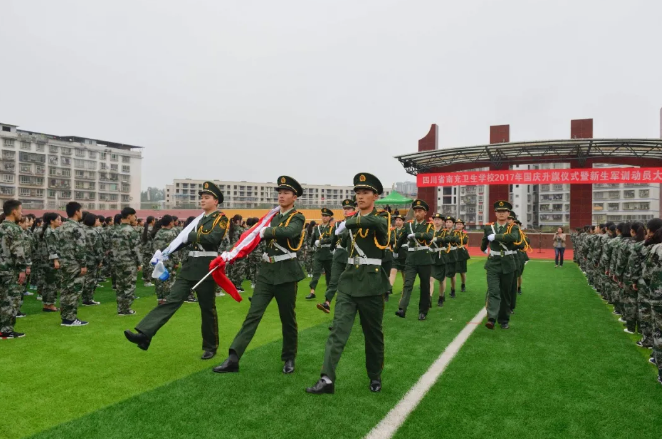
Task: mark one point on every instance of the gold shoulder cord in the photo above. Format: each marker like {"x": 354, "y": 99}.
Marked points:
{"x": 521, "y": 235}
{"x": 208, "y": 231}
{"x": 388, "y": 236}
{"x": 303, "y": 232}
{"x": 422, "y": 241}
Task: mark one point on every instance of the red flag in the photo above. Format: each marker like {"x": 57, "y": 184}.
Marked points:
{"x": 248, "y": 241}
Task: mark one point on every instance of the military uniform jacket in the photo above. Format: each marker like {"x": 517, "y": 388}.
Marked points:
{"x": 423, "y": 238}
{"x": 12, "y": 258}
{"x": 125, "y": 246}
{"x": 401, "y": 253}
{"x": 462, "y": 241}
{"x": 440, "y": 246}
{"x": 452, "y": 254}
{"x": 325, "y": 236}
{"x": 370, "y": 233}
{"x": 507, "y": 238}
{"x": 285, "y": 231}
{"x": 339, "y": 246}
{"x": 206, "y": 237}
{"x": 72, "y": 249}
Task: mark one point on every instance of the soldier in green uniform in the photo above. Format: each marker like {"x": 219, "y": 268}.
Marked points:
{"x": 500, "y": 265}
{"x": 451, "y": 261}
{"x": 323, "y": 259}
{"x": 203, "y": 242}
{"x": 14, "y": 269}
{"x": 387, "y": 260}
{"x": 462, "y": 252}
{"x": 439, "y": 249}
{"x": 419, "y": 262}
{"x": 512, "y": 219}
{"x": 278, "y": 278}
{"x": 361, "y": 288}
{"x": 523, "y": 255}
{"x": 339, "y": 244}
{"x": 400, "y": 257}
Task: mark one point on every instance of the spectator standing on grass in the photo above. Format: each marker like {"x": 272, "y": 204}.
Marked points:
{"x": 127, "y": 260}
{"x": 559, "y": 247}
{"x": 72, "y": 259}
{"x": 14, "y": 269}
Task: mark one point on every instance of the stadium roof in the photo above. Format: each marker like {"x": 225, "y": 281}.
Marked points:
{"x": 498, "y": 154}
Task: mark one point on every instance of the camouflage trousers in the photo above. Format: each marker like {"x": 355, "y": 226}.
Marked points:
{"x": 126, "y": 277}
{"x": 254, "y": 261}
{"x": 644, "y": 313}
{"x": 163, "y": 287}
{"x": 51, "y": 285}
{"x": 628, "y": 298}
{"x": 90, "y": 283}
{"x": 11, "y": 294}
{"x": 148, "y": 268}
{"x": 238, "y": 272}
{"x": 71, "y": 290}
{"x": 656, "y": 314}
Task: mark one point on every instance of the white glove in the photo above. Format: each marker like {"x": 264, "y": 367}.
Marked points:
{"x": 341, "y": 227}
{"x": 156, "y": 258}
{"x": 486, "y": 251}
{"x": 491, "y": 237}
{"x": 317, "y": 243}
{"x": 262, "y": 232}
{"x": 411, "y": 236}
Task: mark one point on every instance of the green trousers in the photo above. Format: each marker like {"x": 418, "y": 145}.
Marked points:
{"x": 513, "y": 285}
{"x": 371, "y": 314}
{"x": 423, "y": 272}
{"x": 286, "y": 297}
{"x": 318, "y": 266}
{"x": 337, "y": 268}
{"x": 498, "y": 295}
{"x": 181, "y": 289}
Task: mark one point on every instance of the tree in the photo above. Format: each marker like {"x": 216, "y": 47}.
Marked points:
{"x": 152, "y": 194}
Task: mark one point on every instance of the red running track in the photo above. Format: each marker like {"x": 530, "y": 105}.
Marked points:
{"x": 545, "y": 253}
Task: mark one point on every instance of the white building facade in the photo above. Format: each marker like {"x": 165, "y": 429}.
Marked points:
{"x": 46, "y": 172}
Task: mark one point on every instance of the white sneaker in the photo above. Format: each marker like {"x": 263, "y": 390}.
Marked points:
{"x": 91, "y": 303}
{"x": 128, "y": 313}
{"x": 149, "y": 284}
{"x": 628, "y": 331}
{"x": 221, "y": 294}
{"x": 39, "y": 298}
{"x": 27, "y": 293}
{"x": 73, "y": 323}
{"x": 620, "y": 319}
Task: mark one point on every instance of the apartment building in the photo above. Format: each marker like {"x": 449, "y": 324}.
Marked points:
{"x": 44, "y": 171}
{"x": 466, "y": 202}
{"x": 183, "y": 194}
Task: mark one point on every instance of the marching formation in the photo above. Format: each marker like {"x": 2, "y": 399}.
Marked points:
{"x": 623, "y": 264}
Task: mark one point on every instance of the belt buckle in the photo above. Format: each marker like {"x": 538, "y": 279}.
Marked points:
{"x": 357, "y": 259}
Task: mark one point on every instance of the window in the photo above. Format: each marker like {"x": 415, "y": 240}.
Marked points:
{"x": 24, "y": 192}
{"x": 26, "y": 146}
{"x": 612, "y": 206}
{"x": 9, "y": 143}
{"x": 113, "y": 157}
{"x": 41, "y": 169}
{"x": 104, "y": 166}
{"x": 126, "y": 168}
{"x": 126, "y": 159}
{"x": 643, "y": 193}
{"x": 66, "y": 151}
{"x": 102, "y": 156}
{"x": 92, "y": 154}
{"x": 66, "y": 161}
{"x": 628, "y": 194}
{"x": 7, "y": 178}
{"x": 7, "y": 129}
{"x": 102, "y": 186}
{"x": 113, "y": 167}
{"x": 79, "y": 152}
{"x": 26, "y": 168}
{"x": 102, "y": 206}
{"x": 41, "y": 148}
{"x": 52, "y": 149}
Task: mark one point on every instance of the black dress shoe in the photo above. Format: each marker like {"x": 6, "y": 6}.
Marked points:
{"x": 310, "y": 296}
{"x": 512, "y": 311}
{"x": 440, "y": 302}
{"x": 386, "y": 297}
{"x": 505, "y": 326}
{"x": 376, "y": 385}
{"x": 464, "y": 288}
{"x": 288, "y": 368}
{"x": 452, "y": 294}
{"x": 422, "y": 316}
{"x": 208, "y": 355}
{"x": 400, "y": 313}
{"x": 321, "y": 387}
{"x": 490, "y": 324}
{"x": 140, "y": 339}
{"x": 228, "y": 366}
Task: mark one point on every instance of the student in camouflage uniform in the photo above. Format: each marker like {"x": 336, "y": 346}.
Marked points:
{"x": 50, "y": 249}
{"x": 14, "y": 269}
{"x": 339, "y": 243}
{"x": 72, "y": 259}
{"x": 308, "y": 250}
{"x": 320, "y": 239}
{"x": 163, "y": 234}
{"x": 26, "y": 223}
{"x": 39, "y": 260}
{"x": 106, "y": 232}
{"x": 628, "y": 275}
{"x": 94, "y": 258}
{"x": 238, "y": 270}
{"x": 605, "y": 265}
{"x": 617, "y": 265}
{"x": 126, "y": 259}
{"x": 650, "y": 269}
{"x": 117, "y": 221}
{"x": 462, "y": 252}
{"x": 147, "y": 250}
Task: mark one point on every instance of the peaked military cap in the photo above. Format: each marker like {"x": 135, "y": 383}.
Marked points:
{"x": 398, "y": 217}
{"x": 438, "y": 216}
{"x": 326, "y": 212}
{"x": 512, "y": 215}
{"x": 502, "y": 205}
{"x": 420, "y": 204}
{"x": 450, "y": 218}
{"x": 290, "y": 184}
{"x": 208, "y": 187}
{"x": 364, "y": 180}
{"x": 348, "y": 203}
{"x": 459, "y": 221}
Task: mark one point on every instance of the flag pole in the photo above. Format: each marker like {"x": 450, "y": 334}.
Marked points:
{"x": 203, "y": 279}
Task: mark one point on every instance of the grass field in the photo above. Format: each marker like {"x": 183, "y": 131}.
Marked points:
{"x": 564, "y": 369}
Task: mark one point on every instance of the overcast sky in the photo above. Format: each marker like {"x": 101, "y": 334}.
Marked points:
{"x": 321, "y": 90}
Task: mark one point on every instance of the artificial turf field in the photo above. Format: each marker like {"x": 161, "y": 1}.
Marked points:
{"x": 564, "y": 369}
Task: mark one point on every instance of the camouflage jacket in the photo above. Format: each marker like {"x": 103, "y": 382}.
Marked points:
{"x": 634, "y": 264}
{"x": 12, "y": 243}
{"x": 161, "y": 240}
{"x": 29, "y": 245}
{"x": 125, "y": 246}
{"x": 652, "y": 269}
{"x": 94, "y": 244}
{"x": 73, "y": 247}
{"x": 51, "y": 244}
{"x": 148, "y": 247}
{"x": 607, "y": 249}
{"x": 622, "y": 254}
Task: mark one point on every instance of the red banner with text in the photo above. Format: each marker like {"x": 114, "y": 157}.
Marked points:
{"x": 542, "y": 176}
